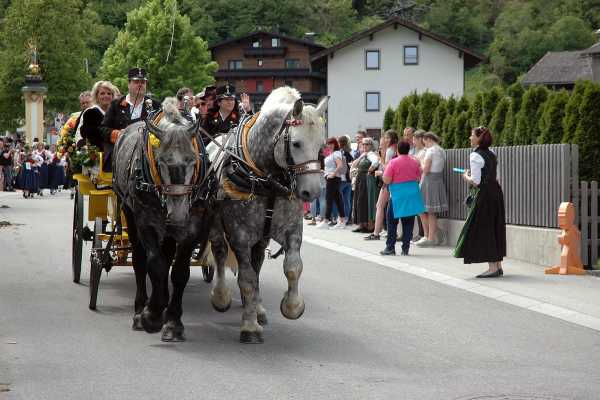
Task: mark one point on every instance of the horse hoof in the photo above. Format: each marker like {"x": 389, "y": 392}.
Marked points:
{"x": 137, "y": 323}
{"x": 291, "y": 312}
{"x": 172, "y": 333}
{"x": 220, "y": 299}
{"x": 150, "y": 322}
{"x": 262, "y": 319}
{"x": 219, "y": 307}
{"x": 251, "y": 337}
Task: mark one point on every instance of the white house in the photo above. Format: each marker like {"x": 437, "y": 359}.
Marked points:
{"x": 374, "y": 69}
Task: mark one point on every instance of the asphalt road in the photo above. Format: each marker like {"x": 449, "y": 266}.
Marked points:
{"x": 368, "y": 333}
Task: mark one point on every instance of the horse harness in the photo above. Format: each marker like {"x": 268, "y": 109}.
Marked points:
{"x": 147, "y": 177}
{"x": 244, "y": 180}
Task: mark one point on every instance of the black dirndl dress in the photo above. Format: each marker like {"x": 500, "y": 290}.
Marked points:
{"x": 483, "y": 237}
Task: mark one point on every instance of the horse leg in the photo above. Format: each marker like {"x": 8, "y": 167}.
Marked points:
{"x": 173, "y": 330}
{"x": 257, "y": 259}
{"x": 292, "y": 304}
{"x": 220, "y": 295}
{"x": 250, "y": 331}
{"x": 158, "y": 270}
{"x": 138, "y": 256}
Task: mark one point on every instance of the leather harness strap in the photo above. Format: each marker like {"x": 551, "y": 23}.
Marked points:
{"x": 245, "y": 131}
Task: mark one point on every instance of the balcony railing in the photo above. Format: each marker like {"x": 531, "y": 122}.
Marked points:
{"x": 269, "y": 72}
{"x": 265, "y": 51}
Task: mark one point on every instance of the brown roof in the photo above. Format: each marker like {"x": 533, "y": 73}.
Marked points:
{"x": 563, "y": 67}
{"x": 273, "y": 34}
{"x": 472, "y": 57}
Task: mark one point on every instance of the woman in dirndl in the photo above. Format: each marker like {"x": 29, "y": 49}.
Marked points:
{"x": 483, "y": 237}
{"x": 364, "y": 207}
{"x": 42, "y": 167}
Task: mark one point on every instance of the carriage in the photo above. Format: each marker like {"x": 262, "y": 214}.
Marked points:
{"x": 110, "y": 241}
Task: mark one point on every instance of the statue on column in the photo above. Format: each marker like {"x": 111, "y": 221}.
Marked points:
{"x": 34, "y": 66}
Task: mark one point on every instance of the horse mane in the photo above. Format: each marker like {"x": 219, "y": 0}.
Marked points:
{"x": 281, "y": 101}
{"x": 172, "y": 121}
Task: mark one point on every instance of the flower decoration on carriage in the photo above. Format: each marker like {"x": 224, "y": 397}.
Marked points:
{"x": 154, "y": 141}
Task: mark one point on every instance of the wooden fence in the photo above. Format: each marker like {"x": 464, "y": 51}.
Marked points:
{"x": 535, "y": 180}
{"x": 589, "y": 221}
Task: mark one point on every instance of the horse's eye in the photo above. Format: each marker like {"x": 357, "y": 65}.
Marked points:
{"x": 296, "y": 145}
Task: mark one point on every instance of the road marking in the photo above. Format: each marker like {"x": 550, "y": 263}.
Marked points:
{"x": 516, "y": 300}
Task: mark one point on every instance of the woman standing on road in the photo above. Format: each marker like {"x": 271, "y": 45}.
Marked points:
{"x": 365, "y": 165}
{"x": 433, "y": 188}
{"x": 483, "y": 237}
{"x": 335, "y": 167}
{"x": 389, "y": 148}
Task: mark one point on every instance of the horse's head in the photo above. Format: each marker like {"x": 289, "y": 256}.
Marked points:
{"x": 305, "y": 138}
{"x": 176, "y": 159}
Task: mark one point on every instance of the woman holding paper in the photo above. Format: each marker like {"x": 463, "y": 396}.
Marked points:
{"x": 483, "y": 237}
{"x": 402, "y": 176}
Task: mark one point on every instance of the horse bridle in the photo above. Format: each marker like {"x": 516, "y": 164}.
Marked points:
{"x": 307, "y": 167}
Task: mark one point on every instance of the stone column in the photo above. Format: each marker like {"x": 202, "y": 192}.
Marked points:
{"x": 34, "y": 93}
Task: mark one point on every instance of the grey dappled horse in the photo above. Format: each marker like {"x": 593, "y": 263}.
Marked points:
{"x": 162, "y": 223}
{"x": 243, "y": 222}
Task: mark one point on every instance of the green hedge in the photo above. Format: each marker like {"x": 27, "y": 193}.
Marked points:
{"x": 516, "y": 116}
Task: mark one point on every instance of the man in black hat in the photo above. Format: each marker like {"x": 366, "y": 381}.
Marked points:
{"x": 124, "y": 111}
{"x": 227, "y": 115}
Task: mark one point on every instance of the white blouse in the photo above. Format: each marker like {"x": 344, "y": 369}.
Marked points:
{"x": 476, "y": 165}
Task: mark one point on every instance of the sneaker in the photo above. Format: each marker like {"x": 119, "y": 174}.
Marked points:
{"x": 388, "y": 252}
{"x": 308, "y": 216}
{"x": 323, "y": 225}
{"x": 312, "y": 222}
{"x": 416, "y": 239}
{"x": 425, "y": 243}
{"x": 422, "y": 240}
{"x": 332, "y": 223}
{"x": 372, "y": 236}
{"x": 338, "y": 226}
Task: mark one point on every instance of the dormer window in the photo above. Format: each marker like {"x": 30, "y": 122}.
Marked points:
{"x": 275, "y": 42}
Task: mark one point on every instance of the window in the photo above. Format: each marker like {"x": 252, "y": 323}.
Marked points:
{"x": 372, "y": 101}
{"x": 411, "y": 55}
{"x": 292, "y": 63}
{"x": 256, "y": 43}
{"x": 372, "y": 59}
{"x": 260, "y": 87}
{"x": 235, "y": 64}
{"x": 275, "y": 42}
{"x": 259, "y": 62}
{"x": 289, "y": 83}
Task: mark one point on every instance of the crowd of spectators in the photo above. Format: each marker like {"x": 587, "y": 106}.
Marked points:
{"x": 353, "y": 192}
{"x": 30, "y": 168}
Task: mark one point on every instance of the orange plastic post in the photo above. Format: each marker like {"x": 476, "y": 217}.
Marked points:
{"x": 570, "y": 238}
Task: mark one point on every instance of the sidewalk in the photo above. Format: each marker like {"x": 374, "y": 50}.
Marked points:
{"x": 572, "y": 298}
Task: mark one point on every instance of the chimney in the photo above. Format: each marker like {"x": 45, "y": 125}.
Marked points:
{"x": 310, "y": 36}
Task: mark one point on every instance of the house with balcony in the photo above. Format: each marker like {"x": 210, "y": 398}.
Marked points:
{"x": 261, "y": 61}
{"x": 374, "y": 69}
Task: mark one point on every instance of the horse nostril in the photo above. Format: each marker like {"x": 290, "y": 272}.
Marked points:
{"x": 305, "y": 194}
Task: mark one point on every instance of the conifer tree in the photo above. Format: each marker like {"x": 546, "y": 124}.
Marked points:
{"x": 449, "y": 126}
{"x": 496, "y": 124}
{"x": 551, "y": 129}
{"x": 388, "y": 119}
{"x": 438, "y": 118}
{"x": 571, "y": 117}
{"x": 427, "y": 105}
{"x": 413, "y": 117}
{"x": 508, "y": 133}
{"x": 527, "y": 129}
{"x": 463, "y": 130}
{"x": 587, "y": 134}
{"x": 490, "y": 101}
{"x": 476, "y": 110}
{"x": 402, "y": 112}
